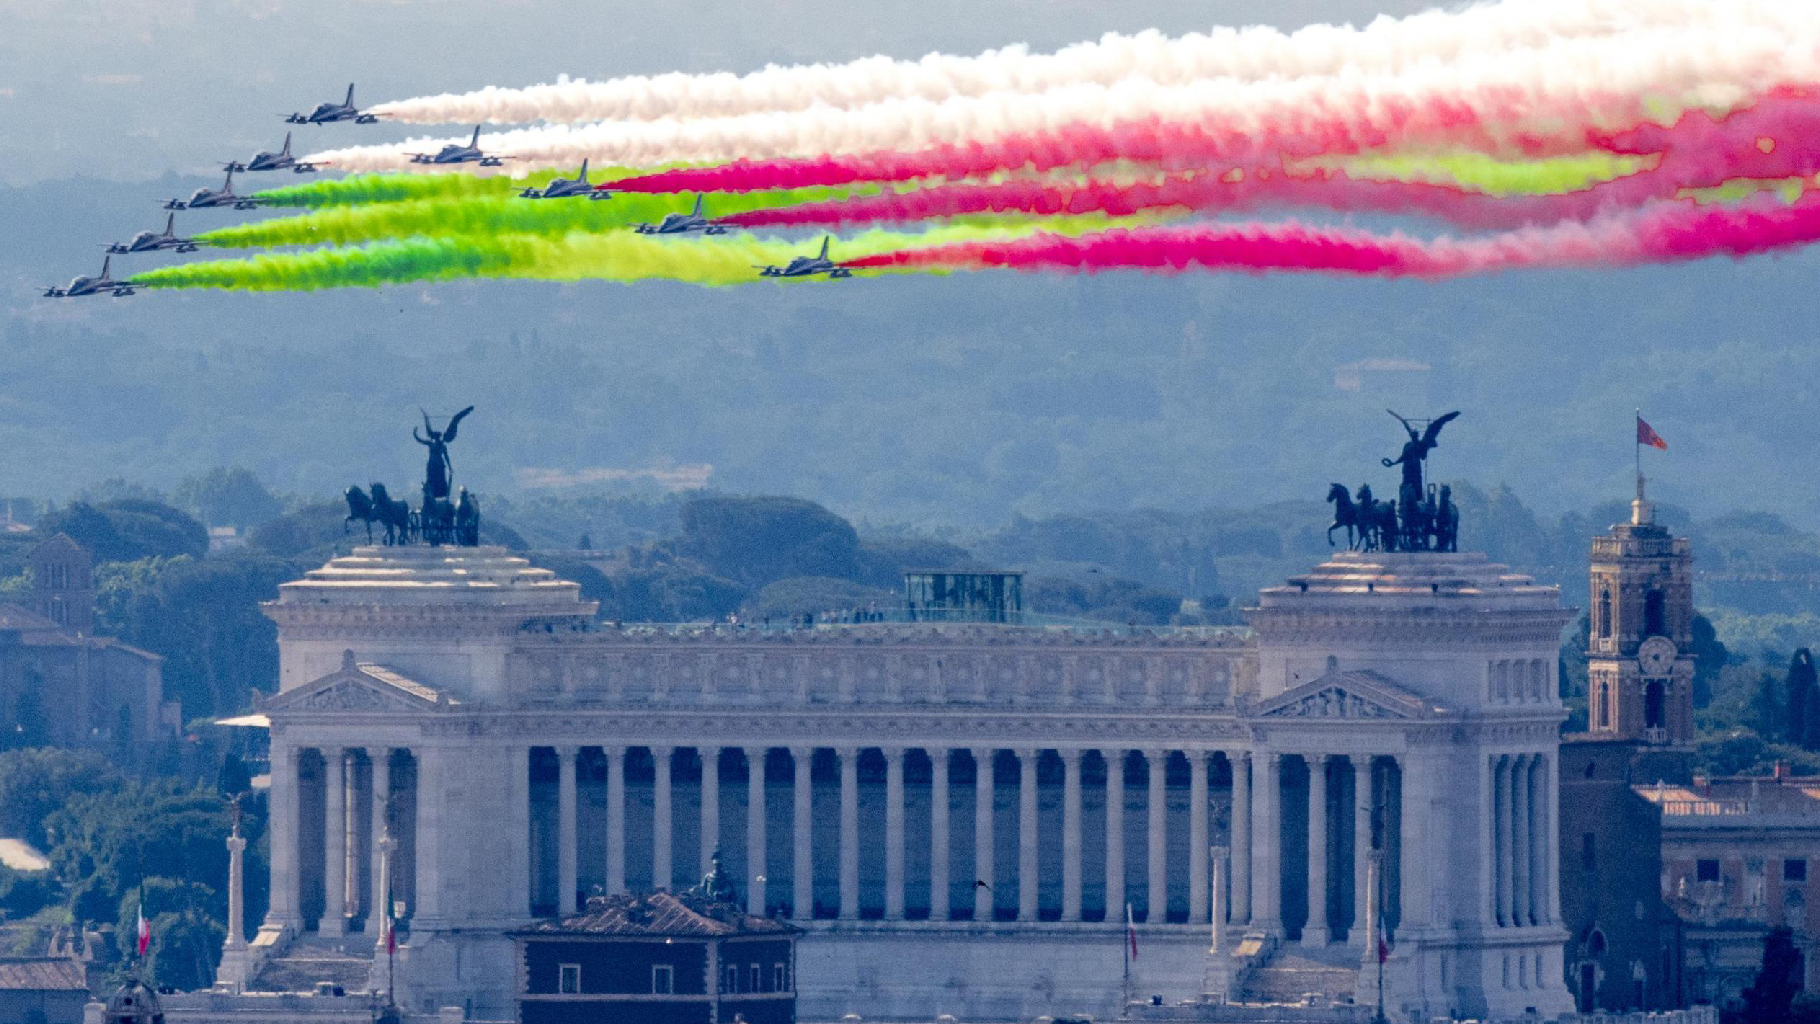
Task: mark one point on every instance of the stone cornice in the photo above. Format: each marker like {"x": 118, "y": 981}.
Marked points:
{"x": 1372, "y": 627}
{"x": 894, "y": 636}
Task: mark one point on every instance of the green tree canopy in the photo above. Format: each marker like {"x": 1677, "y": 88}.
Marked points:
{"x": 227, "y": 497}
{"x": 34, "y": 782}
{"x": 126, "y": 529}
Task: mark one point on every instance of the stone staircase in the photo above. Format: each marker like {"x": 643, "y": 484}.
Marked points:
{"x": 1291, "y": 973}
{"x": 313, "y": 959}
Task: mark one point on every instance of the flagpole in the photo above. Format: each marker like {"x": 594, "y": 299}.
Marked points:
{"x": 1637, "y": 450}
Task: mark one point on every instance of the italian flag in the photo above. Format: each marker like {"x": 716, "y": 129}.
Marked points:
{"x": 145, "y": 932}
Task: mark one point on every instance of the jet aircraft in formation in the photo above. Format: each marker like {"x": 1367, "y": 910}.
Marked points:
{"x": 326, "y": 113}
{"x": 97, "y": 285}
{"x": 683, "y": 223}
{"x": 149, "y": 241}
{"x": 452, "y": 154}
{"x": 564, "y": 188}
{"x": 278, "y": 161}
{"x": 210, "y": 197}
{"x": 807, "y": 266}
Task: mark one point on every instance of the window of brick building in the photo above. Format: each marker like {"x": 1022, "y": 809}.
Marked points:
{"x": 1794, "y": 869}
{"x": 1706, "y": 870}
{"x": 568, "y": 979}
{"x": 663, "y": 979}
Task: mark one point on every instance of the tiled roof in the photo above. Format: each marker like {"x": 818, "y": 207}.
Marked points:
{"x": 398, "y": 681}
{"x": 661, "y": 914}
{"x": 14, "y": 616}
{"x": 47, "y": 975}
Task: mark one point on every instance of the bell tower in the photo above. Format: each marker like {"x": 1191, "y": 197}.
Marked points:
{"x": 1639, "y": 659}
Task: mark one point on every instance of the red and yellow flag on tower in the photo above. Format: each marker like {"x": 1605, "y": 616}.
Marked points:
{"x": 1647, "y": 435}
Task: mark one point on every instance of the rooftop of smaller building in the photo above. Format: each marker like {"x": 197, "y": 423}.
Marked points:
{"x": 661, "y": 915}
{"x": 42, "y": 974}
{"x": 1714, "y": 800}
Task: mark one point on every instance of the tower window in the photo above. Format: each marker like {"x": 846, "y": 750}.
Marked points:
{"x": 568, "y": 979}
{"x": 1605, "y": 614}
{"x": 1655, "y": 614}
{"x": 1655, "y": 706}
{"x": 1794, "y": 870}
{"x": 1604, "y": 704}
{"x": 1706, "y": 870}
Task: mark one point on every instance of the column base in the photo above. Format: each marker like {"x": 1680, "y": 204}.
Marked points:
{"x": 1315, "y": 935}
{"x": 336, "y": 926}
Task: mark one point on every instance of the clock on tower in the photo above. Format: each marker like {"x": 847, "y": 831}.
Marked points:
{"x": 1639, "y": 665}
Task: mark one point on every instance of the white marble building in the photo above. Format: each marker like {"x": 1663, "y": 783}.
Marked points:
{"x": 957, "y": 814}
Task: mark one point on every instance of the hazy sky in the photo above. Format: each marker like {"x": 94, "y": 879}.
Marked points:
{"x": 130, "y": 89}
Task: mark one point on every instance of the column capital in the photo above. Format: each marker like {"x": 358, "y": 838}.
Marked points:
{"x": 755, "y": 755}
{"x": 893, "y": 755}
{"x": 938, "y": 758}
{"x": 1069, "y": 757}
{"x": 568, "y": 751}
{"x": 846, "y": 753}
{"x": 1198, "y": 756}
{"x": 611, "y": 751}
{"x": 660, "y": 752}
{"x": 983, "y": 753}
{"x": 1157, "y": 755}
{"x": 378, "y": 754}
{"x": 802, "y": 755}
{"x": 1028, "y": 753}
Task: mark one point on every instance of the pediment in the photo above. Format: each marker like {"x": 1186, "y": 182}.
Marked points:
{"x": 1351, "y": 696}
{"x": 365, "y": 688}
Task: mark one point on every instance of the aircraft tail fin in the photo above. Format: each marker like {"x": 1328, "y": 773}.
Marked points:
{"x": 287, "y": 143}
{"x": 350, "y": 100}
{"x": 474, "y": 143}
{"x": 170, "y": 223}
{"x": 105, "y": 260}
{"x": 698, "y": 204}
{"x": 584, "y": 171}
{"x": 228, "y": 186}
{"x": 825, "y": 240}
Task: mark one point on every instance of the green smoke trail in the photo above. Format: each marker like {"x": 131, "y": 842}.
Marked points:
{"x": 577, "y": 256}
{"x": 1739, "y": 189}
{"x": 492, "y": 214}
{"x": 1482, "y": 173}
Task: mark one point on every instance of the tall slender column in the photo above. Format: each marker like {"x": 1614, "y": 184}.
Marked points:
{"x": 335, "y": 842}
{"x": 518, "y": 809}
{"x": 1266, "y": 842}
{"x": 894, "y": 834}
{"x": 849, "y": 833}
{"x": 1026, "y": 834}
{"x": 236, "y": 922}
{"x": 802, "y": 835}
{"x": 1115, "y": 834}
{"x": 1502, "y": 826}
{"x": 566, "y": 868}
{"x": 283, "y": 910}
{"x": 1314, "y": 932}
{"x": 756, "y": 889}
{"x": 938, "y": 835}
{"x": 426, "y": 881}
{"x": 1519, "y": 840}
{"x": 1361, "y": 845}
{"x": 710, "y": 807}
{"x": 1071, "y": 834}
{"x": 663, "y": 831}
{"x": 1549, "y": 844}
{"x": 983, "y": 867}
{"x": 381, "y": 757}
{"x": 1240, "y": 910}
{"x": 616, "y": 819}
{"x": 1214, "y": 978}
{"x": 1157, "y": 812}
{"x": 1415, "y": 837}
{"x": 1198, "y": 906}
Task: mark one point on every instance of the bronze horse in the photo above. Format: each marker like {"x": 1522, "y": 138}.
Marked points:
{"x": 360, "y": 510}
{"x": 396, "y": 515}
{"x": 1370, "y": 525}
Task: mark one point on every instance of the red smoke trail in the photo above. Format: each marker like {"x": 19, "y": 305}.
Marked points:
{"x": 1175, "y": 145}
{"x": 1662, "y": 233}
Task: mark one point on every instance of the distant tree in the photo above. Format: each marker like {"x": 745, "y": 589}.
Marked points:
{"x": 813, "y": 594}
{"x": 186, "y": 938}
{"x": 127, "y": 529}
{"x": 24, "y": 893}
{"x": 1803, "y": 694}
{"x": 311, "y": 533}
{"x": 884, "y": 560}
{"x": 1571, "y": 674}
{"x": 1710, "y": 659}
{"x": 1768, "y": 704}
{"x": 1768, "y": 999}
{"x": 233, "y": 778}
{"x": 37, "y": 781}
{"x": 758, "y": 540}
{"x": 228, "y": 497}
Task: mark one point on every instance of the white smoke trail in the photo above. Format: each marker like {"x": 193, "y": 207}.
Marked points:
{"x": 1556, "y": 91}
{"x": 1386, "y": 45}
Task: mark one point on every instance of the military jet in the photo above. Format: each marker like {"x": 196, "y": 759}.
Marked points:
{"x": 563, "y": 188}
{"x": 806, "y": 266}
{"x": 206, "y": 197}
{"x": 146, "y": 241}
{"x": 276, "y": 161}
{"x": 683, "y": 223}
{"x": 468, "y": 154}
{"x": 327, "y": 112}
{"x": 92, "y": 285}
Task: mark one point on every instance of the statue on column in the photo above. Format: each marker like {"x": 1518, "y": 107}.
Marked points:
{"x": 439, "y": 470}
{"x": 1415, "y": 511}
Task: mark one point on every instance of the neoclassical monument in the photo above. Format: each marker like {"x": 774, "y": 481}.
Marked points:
{"x": 957, "y": 814}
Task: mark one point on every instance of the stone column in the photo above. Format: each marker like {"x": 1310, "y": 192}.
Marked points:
{"x": 1026, "y": 834}
{"x": 427, "y": 913}
{"x": 1115, "y": 834}
{"x": 1198, "y": 907}
{"x": 938, "y": 835}
{"x": 1548, "y": 843}
{"x": 283, "y": 908}
{"x": 710, "y": 808}
{"x": 756, "y": 890}
{"x": 1361, "y": 845}
{"x": 983, "y": 866}
{"x": 663, "y": 874}
{"x": 1157, "y": 813}
{"x": 849, "y": 833}
{"x": 518, "y": 814}
{"x": 335, "y": 842}
{"x": 1519, "y": 841}
{"x": 1071, "y": 834}
{"x": 802, "y": 834}
{"x": 1214, "y": 979}
{"x": 894, "y": 834}
{"x": 1501, "y": 826}
{"x": 236, "y": 922}
{"x": 1314, "y": 932}
{"x": 566, "y": 867}
{"x": 616, "y": 819}
{"x": 381, "y": 757}
{"x": 1415, "y": 834}
{"x": 1240, "y": 910}
{"x": 1266, "y": 837}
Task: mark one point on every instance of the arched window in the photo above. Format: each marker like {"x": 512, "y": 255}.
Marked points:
{"x": 1605, "y": 614}
{"x": 1655, "y": 705}
{"x": 1655, "y": 614}
{"x": 1604, "y": 704}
